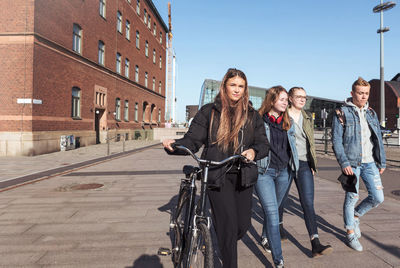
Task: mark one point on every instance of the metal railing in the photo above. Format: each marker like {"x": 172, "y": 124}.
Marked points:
{"x": 118, "y": 136}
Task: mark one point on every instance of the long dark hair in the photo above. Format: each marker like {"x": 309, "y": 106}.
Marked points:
{"x": 269, "y": 101}
{"x": 233, "y": 115}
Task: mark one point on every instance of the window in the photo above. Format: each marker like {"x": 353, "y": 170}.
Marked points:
{"x": 127, "y": 67}
{"x": 126, "y": 110}
{"x": 138, "y": 7}
{"x": 144, "y": 111}
{"x": 137, "y": 74}
{"x": 118, "y": 65}
{"x": 77, "y": 38}
{"x": 101, "y": 52}
{"x": 159, "y": 87}
{"x": 160, "y": 62}
{"x": 160, "y": 37}
{"x": 159, "y": 115}
{"x": 154, "y": 84}
{"x": 102, "y": 8}
{"x": 149, "y": 22}
{"x": 119, "y": 22}
{"x": 117, "y": 109}
{"x": 136, "y": 111}
{"x": 145, "y": 79}
{"x": 145, "y": 16}
{"x": 137, "y": 39}
{"x": 146, "y": 49}
{"x": 76, "y": 103}
{"x": 154, "y": 29}
{"x": 127, "y": 30}
{"x": 129, "y": 1}
{"x": 154, "y": 56}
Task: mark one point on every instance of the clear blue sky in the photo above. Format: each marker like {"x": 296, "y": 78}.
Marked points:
{"x": 322, "y": 46}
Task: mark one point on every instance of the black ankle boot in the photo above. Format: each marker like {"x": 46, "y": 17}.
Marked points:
{"x": 282, "y": 232}
{"x": 318, "y": 249}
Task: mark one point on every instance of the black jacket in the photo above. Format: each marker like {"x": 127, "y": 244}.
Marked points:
{"x": 198, "y": 134}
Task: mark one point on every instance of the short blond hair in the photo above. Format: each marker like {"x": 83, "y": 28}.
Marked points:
{"x": 360, "y": 82}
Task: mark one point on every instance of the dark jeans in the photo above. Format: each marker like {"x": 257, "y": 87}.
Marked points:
{"x": 305, "y": 187}
{"x": 231, "y": 210}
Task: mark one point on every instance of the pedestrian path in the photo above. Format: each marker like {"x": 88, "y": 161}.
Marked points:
{"x": 52, "y": 223}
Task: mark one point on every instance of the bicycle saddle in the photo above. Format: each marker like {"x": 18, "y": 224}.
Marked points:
{"x": 188, "y": 169}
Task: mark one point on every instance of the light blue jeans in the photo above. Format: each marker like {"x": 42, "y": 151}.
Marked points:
{"x": 372, "y": 179}
{"x": 271, "y": 188}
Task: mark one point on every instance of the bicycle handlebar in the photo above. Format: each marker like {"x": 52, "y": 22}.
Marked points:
{"x": 211, "y": 162}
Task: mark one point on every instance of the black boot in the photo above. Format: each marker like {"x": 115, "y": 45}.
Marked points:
{"x": 282, "y": 232}
{"x": 318, "y": 249}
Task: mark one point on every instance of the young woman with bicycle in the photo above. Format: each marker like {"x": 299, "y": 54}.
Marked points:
{"x": 275, "y": 169}
{"x": 225, "y": 127}
{"x": 304, "y": 178}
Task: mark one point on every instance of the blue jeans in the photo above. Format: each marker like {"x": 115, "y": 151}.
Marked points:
{"x": 372, "y": 180}
{"x": 271, "y": 188}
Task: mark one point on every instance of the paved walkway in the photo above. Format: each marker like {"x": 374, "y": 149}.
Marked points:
{"x": 123, "y": 223}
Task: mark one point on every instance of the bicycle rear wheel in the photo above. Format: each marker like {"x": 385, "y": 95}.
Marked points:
{"x": 177, "y": 222}
{"x": 201, "y": 250}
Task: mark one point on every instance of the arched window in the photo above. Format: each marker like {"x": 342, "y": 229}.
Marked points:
{"x": 127, "y": 30}
{"x": 117, "y": 109}
{"x": 154, "y": 84}
{"x": 159, "y": 87}
{"x": 154, "y": 56}
{"x": 126, "y": 111}
{"x": 127, "y": 67}
{"x": 137, "y": 74}
{"x": 118, "y": 63}
{"x": 145, "y": 16}
{"x": 76, "y": 103}
{"x": 77, "y": 38}
{"x": 144, "y": 110}
{"x": 154, "y": 29}
{"x": 159, "y": 115}
{"x": 119, "y": 21}
{"x": 136, "y": 111}
{"x": 101, "y": 53}
{"x": 138, "y": 7}
{"x": 146, "y": 49}
{"x": 160, "y": 62}
{"x": 145, "y": 79}
{"x": 137, "y": 39}
{"x": 102, "y": 8}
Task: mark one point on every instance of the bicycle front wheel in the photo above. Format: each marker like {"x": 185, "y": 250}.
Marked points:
{"x": 201, "y": 250}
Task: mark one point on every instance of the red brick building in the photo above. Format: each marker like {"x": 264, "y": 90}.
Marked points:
{"x": 88, "y": 68}
{"x": 392, "y": 100}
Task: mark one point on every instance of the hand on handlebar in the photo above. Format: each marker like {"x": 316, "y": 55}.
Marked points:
{"x": 250, "y": 154}
{"x": 168, "y": 144}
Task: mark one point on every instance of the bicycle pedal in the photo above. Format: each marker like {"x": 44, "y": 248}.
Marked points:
{"x": 164, "y": 251}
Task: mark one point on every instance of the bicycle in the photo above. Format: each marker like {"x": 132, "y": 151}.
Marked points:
{"x": 189, "y": 225}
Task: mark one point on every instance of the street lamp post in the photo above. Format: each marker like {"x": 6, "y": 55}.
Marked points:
{"x": 380, "y": 8}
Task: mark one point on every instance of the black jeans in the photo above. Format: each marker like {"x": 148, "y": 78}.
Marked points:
{"x": 305, "y": 187}
{"x": 231, "y": 210}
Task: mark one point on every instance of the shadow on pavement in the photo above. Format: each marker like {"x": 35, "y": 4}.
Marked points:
{"x": 293, "y": 207}
{"x": 391, "y": 249}
{"x": 147, "y": 261}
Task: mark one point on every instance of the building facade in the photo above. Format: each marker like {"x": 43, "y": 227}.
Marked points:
{"x": 314, "y": 105}
{"x": 392, "y": 100}
{"x": 89, "y": 68}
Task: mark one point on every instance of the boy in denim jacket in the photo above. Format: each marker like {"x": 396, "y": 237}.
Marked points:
{"x": 358, "y": 146}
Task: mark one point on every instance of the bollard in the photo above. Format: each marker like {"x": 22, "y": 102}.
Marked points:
{"x": 108, "y": 146}
{"x": 326, "y": 140}
{"x": 123, "y": 144}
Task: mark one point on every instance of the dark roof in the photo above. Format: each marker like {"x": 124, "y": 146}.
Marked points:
{"x": 153, "y": 7}
{"x": 395, "y": 86}
{"x": 396, "y": 78}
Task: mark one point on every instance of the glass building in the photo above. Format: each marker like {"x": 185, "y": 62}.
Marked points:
{"x": 314, "y": 105}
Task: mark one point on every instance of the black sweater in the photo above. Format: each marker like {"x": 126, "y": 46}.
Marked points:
{"x": 198, "y": 134}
